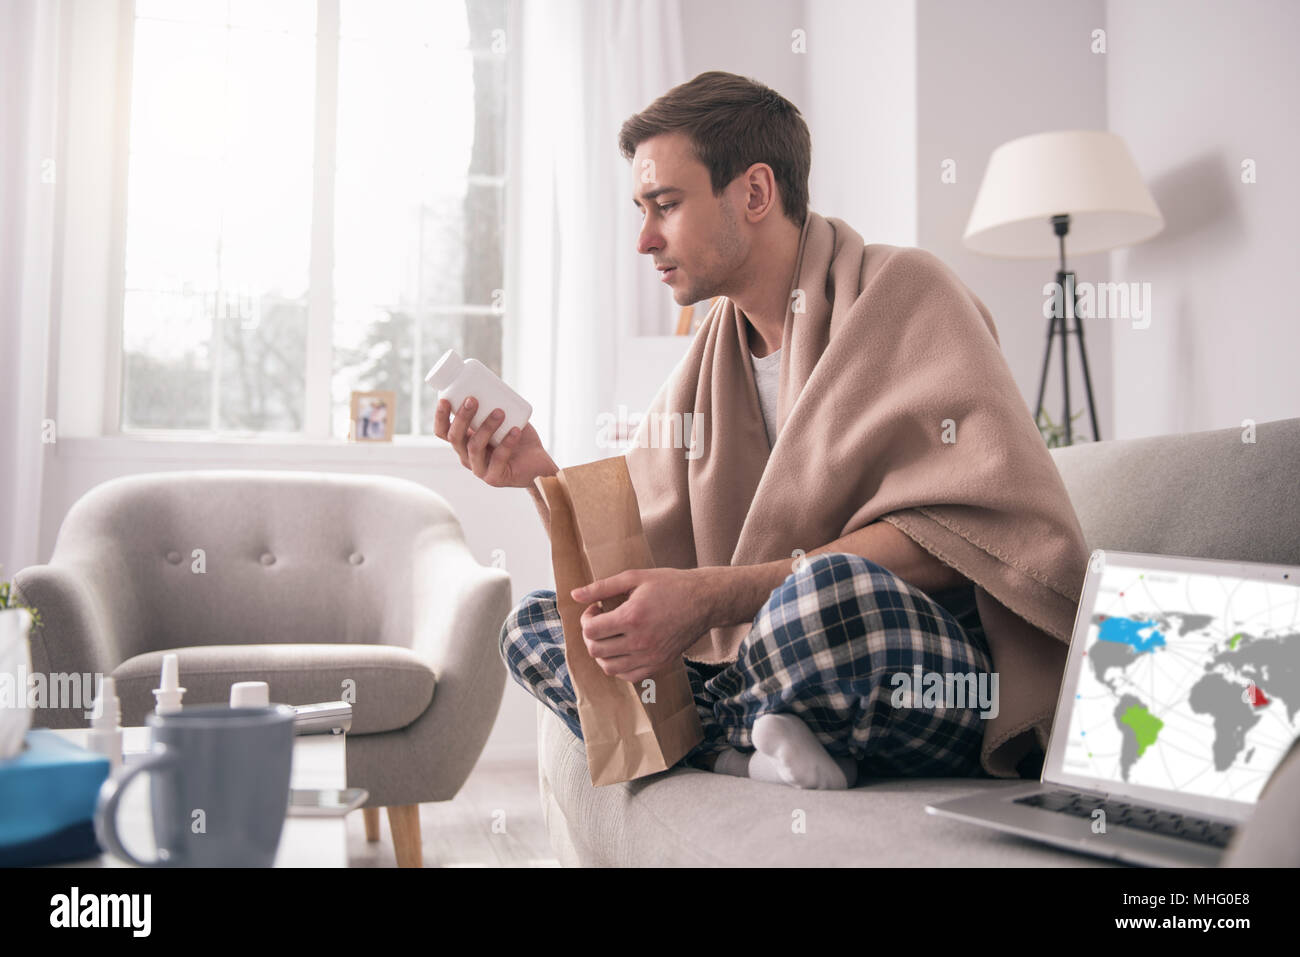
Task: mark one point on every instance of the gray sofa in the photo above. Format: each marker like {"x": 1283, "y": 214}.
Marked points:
{"x": 1206, "y": 494}
{"x": 325, "y": 586}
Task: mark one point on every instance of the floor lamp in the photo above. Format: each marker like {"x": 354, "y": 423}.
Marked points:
{"x": 1039, "y": 189}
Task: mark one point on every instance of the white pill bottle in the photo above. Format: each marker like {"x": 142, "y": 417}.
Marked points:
{"x": 456, "y": 379}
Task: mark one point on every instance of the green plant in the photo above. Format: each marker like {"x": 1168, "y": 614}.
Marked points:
{"x": 8, "y": 599}
{"x": 1054, "y": 433}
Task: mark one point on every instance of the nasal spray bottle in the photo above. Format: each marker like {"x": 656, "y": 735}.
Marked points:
{"x": 456, "y": 379}
{"x": 105, "y": 726}
{"x": 169, "y": 694}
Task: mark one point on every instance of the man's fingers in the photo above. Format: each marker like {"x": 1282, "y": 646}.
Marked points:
{"x": 459, "y": 426}
{"x": 500, "y": 464}
{"x": 478, "y": 443}
{"x": 442, "y": 419}
{"x": 619, "y": 584}
{"x": 598, "y": 624}
{"x": 613, "y": 666}
{"x": 615, "y": 646}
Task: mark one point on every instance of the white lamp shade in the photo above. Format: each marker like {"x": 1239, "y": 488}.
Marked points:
{"x": 1088, "y": 174}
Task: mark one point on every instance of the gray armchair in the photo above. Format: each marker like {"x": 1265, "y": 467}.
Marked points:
{"x": 326, "y": 586}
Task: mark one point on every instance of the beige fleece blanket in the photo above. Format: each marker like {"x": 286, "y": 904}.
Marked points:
{"x": 895, "y": 405}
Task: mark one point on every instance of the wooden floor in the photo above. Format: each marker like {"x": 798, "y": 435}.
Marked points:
{"x": 495, "y": 821}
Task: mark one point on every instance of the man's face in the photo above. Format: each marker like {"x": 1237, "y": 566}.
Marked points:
{"x": 683, "y": 224}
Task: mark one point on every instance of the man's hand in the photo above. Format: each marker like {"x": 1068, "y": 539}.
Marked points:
{"x": 666, "y": 611}
{"x": 514, "y": 463}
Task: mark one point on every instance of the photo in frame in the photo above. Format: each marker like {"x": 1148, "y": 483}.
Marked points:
{"x": 373, "y": 415}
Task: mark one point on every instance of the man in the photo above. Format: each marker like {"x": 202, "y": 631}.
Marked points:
{"x": 871, "y": 487}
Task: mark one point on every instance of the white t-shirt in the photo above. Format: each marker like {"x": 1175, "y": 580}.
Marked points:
{"x": 767, "y": 375}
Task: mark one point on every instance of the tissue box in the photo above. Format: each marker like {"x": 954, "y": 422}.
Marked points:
{"x": 47, "y": 801}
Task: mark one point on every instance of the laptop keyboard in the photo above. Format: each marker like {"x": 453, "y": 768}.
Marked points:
{"x": 1135, "y": 816}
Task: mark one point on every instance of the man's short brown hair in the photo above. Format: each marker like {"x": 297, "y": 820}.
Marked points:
{"x": 732, "y": 122}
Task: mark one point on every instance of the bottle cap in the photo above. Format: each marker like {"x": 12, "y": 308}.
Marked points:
{"x": 168, "y": 693}
{"x": 445, "y": 370}
{"x": 250, "y": 694}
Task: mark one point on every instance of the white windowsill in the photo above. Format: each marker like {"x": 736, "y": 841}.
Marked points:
{"x": 163, "y": 447}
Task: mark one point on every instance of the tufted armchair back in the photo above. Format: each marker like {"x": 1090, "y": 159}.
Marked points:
{"x": 253, "y": 557}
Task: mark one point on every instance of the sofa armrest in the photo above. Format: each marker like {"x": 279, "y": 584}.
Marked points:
{"x": 82, "y": 621}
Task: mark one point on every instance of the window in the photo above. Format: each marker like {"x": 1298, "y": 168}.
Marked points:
{"x": 315, "y": 204}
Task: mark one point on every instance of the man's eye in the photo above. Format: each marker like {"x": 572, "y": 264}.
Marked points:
{"x": 664, "y": 206}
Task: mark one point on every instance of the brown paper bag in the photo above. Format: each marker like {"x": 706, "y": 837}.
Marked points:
{"x": 595, "y": 533}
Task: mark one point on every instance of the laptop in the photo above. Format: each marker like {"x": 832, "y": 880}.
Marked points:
{"x": 1181, "y": 695}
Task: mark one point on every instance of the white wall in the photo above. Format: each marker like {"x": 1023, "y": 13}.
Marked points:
{"x": 862, "y": 112}
{"x": 853, "y": 80}
{"x": 1196, "y": 87}
{"x": 748, "y": 37}
{"x": 987, "y": 73}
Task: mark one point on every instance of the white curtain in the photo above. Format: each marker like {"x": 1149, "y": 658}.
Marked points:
{"x": 578, "y": 284}
{"x": 29, "y": 48}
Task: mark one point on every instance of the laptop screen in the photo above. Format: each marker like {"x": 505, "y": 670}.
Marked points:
{"x": 1183, "y": 681}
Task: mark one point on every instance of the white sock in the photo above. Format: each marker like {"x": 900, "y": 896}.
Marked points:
{"x": 732, "y": 761}
{"x": 789, "y": 753}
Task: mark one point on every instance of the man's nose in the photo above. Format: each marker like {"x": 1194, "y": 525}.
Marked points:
{"x": 649, "y": 238}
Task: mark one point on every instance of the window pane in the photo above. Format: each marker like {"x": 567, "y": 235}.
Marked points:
{"x": 177, "y": 89}
{"x": 484, "y": 230}
{"x": 373, "y": 349}
{"x": 419, "y": 199}
{"x": 166, "y": 361}
{"x": 173, "y": 223}
{"x": 405, "y": 132}
{"x": 211, "y": 12}
{"x": 283, "y": 15}
{"x": 263, "y": 378}
{"x": 490, "y": 114}
{"x": 218, "y": 223}
{"x": 432, "y": 24}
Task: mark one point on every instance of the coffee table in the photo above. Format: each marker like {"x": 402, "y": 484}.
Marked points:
{"x": 319, "y": 761}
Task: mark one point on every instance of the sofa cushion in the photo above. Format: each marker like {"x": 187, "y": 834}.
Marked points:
{"x": 689, "y": 817}
{"x": 391, "y": 686}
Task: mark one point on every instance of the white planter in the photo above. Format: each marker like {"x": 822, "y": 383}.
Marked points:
{"x": 15, "y": 665}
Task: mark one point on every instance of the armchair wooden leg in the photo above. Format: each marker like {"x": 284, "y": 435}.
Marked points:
{"x": 404, "y": 822}
{"x": 371, "y": 816}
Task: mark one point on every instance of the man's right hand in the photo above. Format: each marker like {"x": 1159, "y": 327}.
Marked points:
{"x": 515, "y": 463}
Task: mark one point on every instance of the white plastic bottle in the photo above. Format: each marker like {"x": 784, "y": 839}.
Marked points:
{"x": 250, "y": 694}
{"x": 456, "y": 379}
{"x": 105, "y": 727}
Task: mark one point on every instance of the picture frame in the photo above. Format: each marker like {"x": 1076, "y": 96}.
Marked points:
{"x": 373, "y": 415}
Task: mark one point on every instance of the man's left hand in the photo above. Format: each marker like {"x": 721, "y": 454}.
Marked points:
{"x": 666, "y": 610}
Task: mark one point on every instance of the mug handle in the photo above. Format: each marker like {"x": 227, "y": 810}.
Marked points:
{"x": 110, "y": 796}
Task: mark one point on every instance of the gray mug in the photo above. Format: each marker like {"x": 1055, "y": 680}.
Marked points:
{"x": 219, "y": 787}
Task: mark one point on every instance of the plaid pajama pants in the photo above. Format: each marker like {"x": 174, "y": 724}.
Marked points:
{"x": 824, "y": 647}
